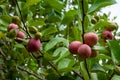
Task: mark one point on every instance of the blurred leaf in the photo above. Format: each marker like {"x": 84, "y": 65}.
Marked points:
{"x": 116, "y": 77}
{"x": 49, "y": 30}
{"x": 84, "y": 71}
{"x": 19, "y": 45}
{"x": 115, "y": 51}
{"x": 31, "y": 2}
{"x": 101, "y": 76}
{"x": 54, "y": 4}
{"x": 98, "y": 4}
{"x": 65, "y": 64}
{"x": 97, "y": 67}
{"x": 61, "y": 52}
{"x": 54, "y": 42}
{"x": 94, "y": 76}
{"x": 69, "y": 16}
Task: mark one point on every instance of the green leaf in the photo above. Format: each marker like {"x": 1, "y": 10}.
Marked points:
{"x": 97, "y": 67}
{"x": 115, "y": 51}
{"x": 55, "y": 41}
{"x": 61, "y": 52}
{"x": 84, "y": 71}
{"x": 98, "y": 4}
{"x": 31, "y": 2}
{"x": 115, "y": 77}
{"x": 49, "y": 30}
{"x": 65, "y": 64}
{"x": 54, "y": 4}
{"x": 94, "y": 76}
{"x": 69, "y": 16}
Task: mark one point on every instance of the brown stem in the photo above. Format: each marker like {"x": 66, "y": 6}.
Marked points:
{"x": 83, "y": 32}
{"x": 31, "y": 73}
{"x": 26, "y": 29}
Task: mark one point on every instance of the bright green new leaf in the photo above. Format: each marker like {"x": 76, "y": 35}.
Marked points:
{"x": 61, "y": 52}
{"x": 56, "y": 41}
{"x": 31, "y": 2}
{"x": 98, "y": 4}
{"x": 115, "y": 77}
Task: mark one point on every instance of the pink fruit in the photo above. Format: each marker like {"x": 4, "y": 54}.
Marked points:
{"x": 73, "y": 47}
{"x": 91, "y": 38}
{"x": 84, "y": 51}
{"x": 107, "y": 35}
{"x": 13, "y": 26}
{"x": 33, "y": 45}
{"x": 20, "y": 35}
{"x": 94, "y": 53}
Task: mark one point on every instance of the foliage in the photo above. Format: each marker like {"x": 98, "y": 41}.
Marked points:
{"x": 60, "y": 22}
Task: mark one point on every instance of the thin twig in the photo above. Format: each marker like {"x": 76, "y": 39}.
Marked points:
{"x": 3, "y": 55}
{"x": 31, "y": 73}
{"x": 78, "y": 74}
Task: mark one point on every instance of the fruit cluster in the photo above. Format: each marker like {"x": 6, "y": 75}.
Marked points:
{"x": 84, "y": 50}
{"x": 14, "y": 32}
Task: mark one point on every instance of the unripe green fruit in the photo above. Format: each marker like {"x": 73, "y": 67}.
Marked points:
{"x": 107, "y": 35}
{"x": 33, "y": 30}
{"x": 33, "y": 45}
{"x": 112, "y": 26}
{"x": 13, "y": 26}
{"x": 84, "y": 51}
{"x": 90, "y": 38}
{"x": 38, "y": 35}
{"x": 97, "y": 17}
{"x": 16, "y": 20}
{"x": 20, "y": 35}
{"x": 94, "y": 53}
{"x": 93, "y": 21}
{"x": 73, "y": 47}
{"x": 12, "y": 33}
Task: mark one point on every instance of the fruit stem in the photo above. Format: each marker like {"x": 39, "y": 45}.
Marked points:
{"x": 83, "y": 32}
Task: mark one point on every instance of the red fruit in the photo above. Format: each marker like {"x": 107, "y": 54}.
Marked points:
{"x": 84, "y": 51}
{"x": 73, "y": 47}
{"x": 33, "y": 45}
{"x": 94, "y": 53}
{"x": 20, "y": 35}
{"x": 91, "y": 38}
{"x": 107, "y": 35}
{"x": 13, "y": 26}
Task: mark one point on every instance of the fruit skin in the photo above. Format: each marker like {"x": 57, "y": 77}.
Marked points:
{"x": 73, "y": 47}
{"x": 94, "y": 53}
{"x": 90, "y": 38}
{"x": 12, "y": 33}
{"x": 97, "y": 17}
{"x": 33, "y": 45}
{"x": 13, "y": 26}
{"x": 84, "y": 51}
{"x": 16, "y": 20}
{"x": 20, "y": 34}
{"x": 93, "y": 21}
{"x": 38, "y": 35}
{"x": 107, "y": 35}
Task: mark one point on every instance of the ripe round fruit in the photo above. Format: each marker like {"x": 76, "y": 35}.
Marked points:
{"x": 94, "y": 53}
{"x": 13, "y": 26}
{"x": 33, "y": 45}
{"x": 107, "y": 35}
{"x": 91, "y": 38}
{"x": 73, "y": 47}
{"x": 84, "y": 51}
{"x": 20, "y": 35}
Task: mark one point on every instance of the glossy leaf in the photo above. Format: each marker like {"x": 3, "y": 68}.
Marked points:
{"x": 98, "y": 4}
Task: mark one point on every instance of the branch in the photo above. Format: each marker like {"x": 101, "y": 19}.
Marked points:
{"x": 83, "y": 32}
{"x": 3, "y": 55}
{"x": 31, "y": 73}
{"x": 26, "y": 29}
